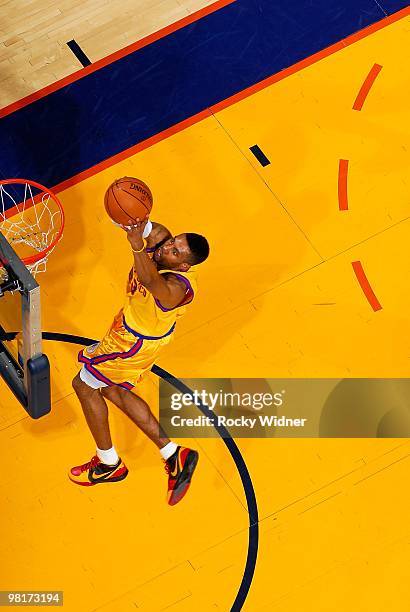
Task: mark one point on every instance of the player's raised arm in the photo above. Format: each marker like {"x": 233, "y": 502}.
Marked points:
{"x": 168, "y": 289}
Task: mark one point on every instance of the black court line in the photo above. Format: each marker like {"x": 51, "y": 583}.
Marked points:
{"x": 253, "y": 539}
{"x": 6, "y": 337}
{"x": 79, "y": 53}
{"x": 246, "y": 482}
{"x": 260, "y": 155}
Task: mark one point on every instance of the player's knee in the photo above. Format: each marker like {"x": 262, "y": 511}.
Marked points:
{"x": 114, "y": 394}
{"x": 108, "y": 392}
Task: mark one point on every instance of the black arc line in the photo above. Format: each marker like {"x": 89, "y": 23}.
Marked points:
{"x": 253, "y": 539}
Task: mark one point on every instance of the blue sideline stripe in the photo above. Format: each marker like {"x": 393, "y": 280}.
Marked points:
{"x": 178, "y": 76}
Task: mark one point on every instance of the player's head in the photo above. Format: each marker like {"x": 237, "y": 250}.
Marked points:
{"x": 181, "y": 252}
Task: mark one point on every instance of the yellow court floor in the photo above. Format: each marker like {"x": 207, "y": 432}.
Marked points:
{"x": 277, "y": 298}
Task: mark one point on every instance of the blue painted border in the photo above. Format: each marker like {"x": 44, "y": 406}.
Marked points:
{"x": 174, "y": 78}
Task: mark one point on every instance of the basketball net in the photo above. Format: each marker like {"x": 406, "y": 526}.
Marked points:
{"x": 32, "y": 220}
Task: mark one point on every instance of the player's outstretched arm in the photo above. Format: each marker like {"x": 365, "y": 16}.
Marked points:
{"x": 168, "y": 289}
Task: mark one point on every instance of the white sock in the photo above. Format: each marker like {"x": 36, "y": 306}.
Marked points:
{"x": 109, "y": 457}
{"x": 168, "y": 450}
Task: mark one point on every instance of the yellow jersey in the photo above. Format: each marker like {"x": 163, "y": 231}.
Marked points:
{"x": 146, "y": 315}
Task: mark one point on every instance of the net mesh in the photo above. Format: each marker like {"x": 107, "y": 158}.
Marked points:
{"x": 31, "y": 218}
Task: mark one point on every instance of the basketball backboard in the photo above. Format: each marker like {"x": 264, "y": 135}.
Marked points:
{"x": 23, "y": 366}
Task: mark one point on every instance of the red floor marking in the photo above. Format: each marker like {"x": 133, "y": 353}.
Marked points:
{"x": 41, "y": 93}
{"x": 203, "y": 114}
{"x": 312, "y": 59}
{"x": 365, "y": 285}
{"x": 365, "y": 88}
{"x": 342, "y": 184}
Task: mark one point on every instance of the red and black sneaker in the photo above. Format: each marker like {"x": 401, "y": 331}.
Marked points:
{"x": 180, "y": 467}
{"x": 94, "y": 472}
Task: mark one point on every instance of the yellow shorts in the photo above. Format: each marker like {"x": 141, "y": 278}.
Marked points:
{"x": 123, "y": 355}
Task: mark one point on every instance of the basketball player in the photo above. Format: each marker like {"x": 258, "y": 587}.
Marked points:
{"x": 160, "y": 285}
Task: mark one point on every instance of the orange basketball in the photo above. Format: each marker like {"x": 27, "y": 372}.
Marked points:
{"x": 128, "y": 199}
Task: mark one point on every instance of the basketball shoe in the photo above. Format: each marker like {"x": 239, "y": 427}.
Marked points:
{"x": 180, "y": 467}
{"x": 95, "y": 471}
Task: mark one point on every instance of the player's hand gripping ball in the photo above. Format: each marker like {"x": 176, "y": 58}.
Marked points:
{"x": 128, "y": 199}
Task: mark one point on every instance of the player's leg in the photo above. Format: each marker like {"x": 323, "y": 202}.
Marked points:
{"x": 95, "y": 411}
{"x": 180, "y": 462}
{"x": 105, "y": 466}
{"x": 138, "y": 411}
